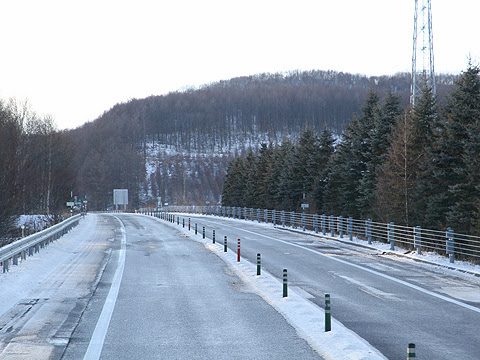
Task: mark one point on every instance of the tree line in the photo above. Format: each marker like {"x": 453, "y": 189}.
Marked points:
{"x": 413, "y": 166}
{"x": 36, "y": 171}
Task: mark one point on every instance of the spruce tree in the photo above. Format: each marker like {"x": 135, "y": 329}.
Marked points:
{"x": 350, "y": 164}
{"x": 323, "y": 157}
{"x": 378, "y": 141}
{"x": 234, "y": 187}
{"x": 464, "y": 111}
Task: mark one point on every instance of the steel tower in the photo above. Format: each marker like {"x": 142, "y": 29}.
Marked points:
{"x": 422, "y": 49}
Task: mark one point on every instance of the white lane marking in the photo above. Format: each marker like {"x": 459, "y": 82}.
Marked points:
{"x": 412, "y": 286}
{"x": 95, "y": 346}
{"x": 367, "y": 288}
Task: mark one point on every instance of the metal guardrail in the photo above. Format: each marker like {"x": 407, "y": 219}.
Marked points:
{"x": 454, "y": 245}
{"x": 29, "y": 245}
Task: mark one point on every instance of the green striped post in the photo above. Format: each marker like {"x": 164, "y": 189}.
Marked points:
{"x": 196, "y": 229}
{"x": 411, "y": 351}
{"x": 213, "y": 236}
{"x": 203, "y": 233}
{"x": 225, "y": 244}
{"x": 285, "y": 283}
{"x": 183, "y": 222}
{"x": 328, "y": 316}
{"x": 259, "y": 264}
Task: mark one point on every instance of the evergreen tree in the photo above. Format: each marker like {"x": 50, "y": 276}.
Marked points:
{"x": 384, "y": 119}
{"x": 464, "y": 111}
{"x": 350, "y": 163}
{"x": 427, "y": 125}
{"x": 234, "y": 187}
{"x": 279, "y": 186}
{"x": 290, "y": 186}
{"x": 323, "y": 157}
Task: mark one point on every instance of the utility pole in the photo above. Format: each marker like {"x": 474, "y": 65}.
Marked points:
{"x": 422, "y": 50}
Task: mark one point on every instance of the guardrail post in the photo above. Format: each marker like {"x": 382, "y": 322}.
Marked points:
{"x": 225, "y": 244}
{"x": 245, "y": 215}
{"x": 368, "y": 230}
{"x": 233, "y": 212}
{"x": 417, "y": 238}
{"x": 6, "y": 263}
{"x": 259, "y": 264}
{"x": 15, "y": 259}
{"x": 450, "y": 244}
{"x": 324, "y": 224}
{"x": 328, "y": 316}
{"x": 282, "y": 217}
{"x": 274, "y": 220}
{"x": 391, "y": 236}
{"x": 315, "y": 223}
{"x": 258, "y": 215}
{"x": 411, "y": 351}
{"x": 285, "y": 283}
{"x": 330, "y": 225}
{"x": 303, "y": 221}
{"x": 292, "y": 219}
{"x": 340, "y": 226}
{"x": 350, "y": 228}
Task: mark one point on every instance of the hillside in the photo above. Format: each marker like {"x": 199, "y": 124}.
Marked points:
{"x": 177, "y": 146}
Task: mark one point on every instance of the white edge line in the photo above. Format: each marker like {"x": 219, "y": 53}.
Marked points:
{"x": 95, "y": 346}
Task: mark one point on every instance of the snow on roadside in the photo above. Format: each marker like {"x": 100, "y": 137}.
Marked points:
{"x": 22, "y": 279}
{"x": 306, "y": 317}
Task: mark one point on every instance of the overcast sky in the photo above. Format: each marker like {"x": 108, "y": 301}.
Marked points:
{"x": 76, "y": 59}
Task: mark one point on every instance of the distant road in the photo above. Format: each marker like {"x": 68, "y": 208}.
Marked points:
{"x": 388, "y": 300}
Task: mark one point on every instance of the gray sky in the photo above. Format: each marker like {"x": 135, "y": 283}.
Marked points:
{"x": 75, "y": 60}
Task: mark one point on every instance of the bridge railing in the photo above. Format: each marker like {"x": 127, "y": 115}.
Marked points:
{"x": 448, "y": 243}
{"x": 27, "y": 246}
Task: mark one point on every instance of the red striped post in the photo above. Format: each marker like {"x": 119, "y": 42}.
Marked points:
{"x": 238, "y": 252}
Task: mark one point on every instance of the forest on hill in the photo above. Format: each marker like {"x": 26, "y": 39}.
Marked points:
{"x": 176, "y": 146}
{"x": 415, "y": 167}
{"x": 190, "y": 136}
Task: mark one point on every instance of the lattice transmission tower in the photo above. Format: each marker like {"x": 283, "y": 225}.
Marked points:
{"x": 422, "y": 50}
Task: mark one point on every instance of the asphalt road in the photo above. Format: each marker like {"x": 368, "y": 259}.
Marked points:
{"x": 388, "y": 300}
{"x": 174, "y": 299}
